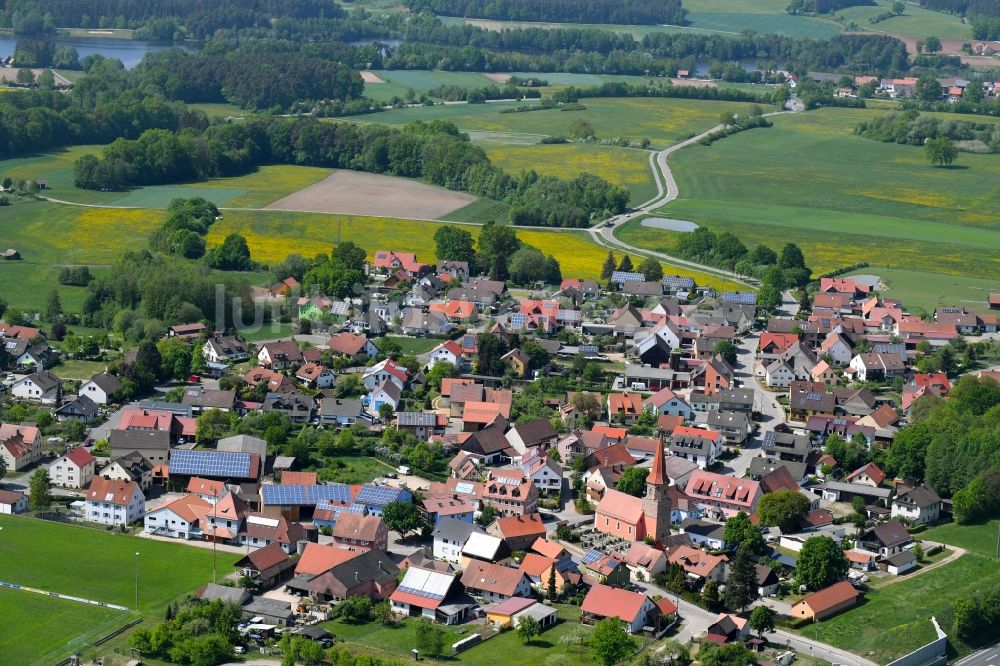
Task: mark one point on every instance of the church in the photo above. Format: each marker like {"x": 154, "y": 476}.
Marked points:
{"x": 635, "y": 518}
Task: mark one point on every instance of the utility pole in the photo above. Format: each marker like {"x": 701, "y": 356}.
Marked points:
{"x": 137, "y": 582}
{"x": 215, "y": 529}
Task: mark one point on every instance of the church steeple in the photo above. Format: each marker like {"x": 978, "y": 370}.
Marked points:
{"x": 656, "y": 503}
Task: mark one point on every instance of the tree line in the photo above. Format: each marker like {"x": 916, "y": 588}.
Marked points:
{"x": 641, "y": 12}
{"x": 968, "y": 8}
{"x": 198, "y": 18}
{"x": 256, "y": 81}
{"x": 435, "y": 151}
{"x": 912, "y": 128}
{"x": 823, "y": 6}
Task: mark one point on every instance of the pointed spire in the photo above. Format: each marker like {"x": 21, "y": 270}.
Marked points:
{"x": 658, "y": 473}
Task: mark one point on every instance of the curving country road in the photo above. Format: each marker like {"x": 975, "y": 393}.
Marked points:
{"x": 666, "y": 185}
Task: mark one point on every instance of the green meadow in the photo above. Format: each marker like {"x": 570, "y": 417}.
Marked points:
{"x": 842, "y": 198}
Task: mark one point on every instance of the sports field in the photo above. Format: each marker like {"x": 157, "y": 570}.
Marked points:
{"x": 92, "y": 564}
{"x": 662, "y": 121}
{"x": 621, "y": 166}
{"x": 36, "y": 626}
{"x": 842, "y": 198}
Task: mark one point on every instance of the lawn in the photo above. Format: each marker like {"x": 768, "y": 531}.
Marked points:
{"x": 930, "y": 290}
{"x": 849, "y": 199}
{"x": 399, "y": 639}
{"x": 38, "y": 629}
{"x": 662, "y": 121}
{"x": 480, "y": 211}
{"x": 75, "y": 369}
{"x": 914, "y": 21}
{"x": 619, "y": 166}
{"x": 57, "y": 167}
{"x": 352, "y": 469}
{"x": 896, "y": 619}
{"x": 411, "y": 346}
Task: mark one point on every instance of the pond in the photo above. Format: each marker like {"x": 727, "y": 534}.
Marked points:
{"x": 130, "y": 52}
{"x": 668, "y": 224}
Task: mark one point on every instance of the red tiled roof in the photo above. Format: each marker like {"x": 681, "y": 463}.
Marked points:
{"x": 534, "y": 564}
{"x": 270, "y": 555}
{"x": 80, "y": 456}
{"x": 347, "y": 343}
{"x": 547, "y": 548}
{"x": 320, "y": 558}
{"x": 611, "y": 602}
{"x": 873, "y": 470}
{"x": 357, "y": 526}
{"x": 519, "y": 526}
{"x": 829, "y": 597}
{"x": 611, "y": 432}
{"x": 491, "y": 577}
{"x": 106, "y": 490}
{"x": 206, "y": 486}
{"x": 511, "y": 606}
{"x": 620, "y": 505}
{"x": 299, "y": 478}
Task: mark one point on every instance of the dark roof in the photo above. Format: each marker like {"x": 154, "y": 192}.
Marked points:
{"x": 334, "y": 407}
{"x": 211, "y": 398}
{"x": 901, "y": 558}
{"x": 373, "y": 565}
{"x": 761, "y": 466}
{"x": 765, "y": 575}
{"x": 489, "y": 440}
{"x": 137, "y": 440}
{"x": 920, "y": 496}
{"x": 702, "y": 528}
{"x": 456, "y": 530}
{"x": 82, "y": 405}
{"x": 890, "y": 534}
{"x": 107, "y": 383}
{"x": 536, "y": 432}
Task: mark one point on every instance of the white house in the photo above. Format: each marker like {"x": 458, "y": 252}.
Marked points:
{"x": 667, "y": 402}
{"x": 446, "y": 352}
{"x": 43, "y": 387}
{"x": 778, "y": 374}
{"x": 315, "y": 375}
{"x": 179, "y": 518}
{"x": 450, "y": 536}
{"x": 73, "y": 470}
{"x": 919, "y": 504}
{"x": 386, "y": 393}
{"x": 545, "y": 473}
{"x": 20, "y": 445}
{"x": 385, "y": 371}
{"x": 225, "y": 349}
{"x": 12, "y": 502}
{"x": 836, "y": 346}
{"x": 113, "y": 502}
{"x": 100, "y": 388}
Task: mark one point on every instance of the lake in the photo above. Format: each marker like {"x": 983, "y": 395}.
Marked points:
{"x": 130, "y": 52}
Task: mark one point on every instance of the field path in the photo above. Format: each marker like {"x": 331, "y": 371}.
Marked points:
{"x": 666, "y": 186}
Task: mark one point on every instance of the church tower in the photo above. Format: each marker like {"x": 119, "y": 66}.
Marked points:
{"x": 656, "y": 503}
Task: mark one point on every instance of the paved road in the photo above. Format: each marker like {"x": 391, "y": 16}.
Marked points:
{"x": 989, "y": 656}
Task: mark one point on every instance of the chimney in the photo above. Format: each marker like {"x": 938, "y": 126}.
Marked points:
{"x": 380, "y": 567}
{"x": 357, "y": 578}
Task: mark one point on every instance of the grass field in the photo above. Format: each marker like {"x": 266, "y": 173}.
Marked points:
{"x": 931, "y": 290}
{"x": 36, "y": 625}
{"x": 896, "y": 619}
{"x": 82, "y": 370}
{"x": 662, "y": 121}
{"x": 397, "y": 641}
{"x": 410, "y": 345}
{"x": 92, "y": 564}
{"x": 56, "y": 167}
{"x": 352, "y": 469}
{"x": 620, "y": 166}
{"x": 480, "y": 211}
{"x": 848, "y": 199}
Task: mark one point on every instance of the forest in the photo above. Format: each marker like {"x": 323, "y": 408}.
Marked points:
{"x": 199, "y": 19}
{"x": 435, "y": 151}
{"x": 968, "y": 8}
{"x": 642, "y": 12}
{"x": 823, "y": 6}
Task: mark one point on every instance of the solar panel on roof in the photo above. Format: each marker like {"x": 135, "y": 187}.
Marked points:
{"x": 814, "y": 396}
{"x": 518, "y": 320}
{"x": 569, "y": 315}
{"x": 379, "y": 495}
{"x": 592, "y": 556}
{"x": 464, "y": 488}
{"x": 215, "y": 464}
{"x": 627, "y": 276}
{"x": 743, "y": 297}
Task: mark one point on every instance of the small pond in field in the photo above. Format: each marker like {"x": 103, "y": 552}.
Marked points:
{"x": 668, "y": 224}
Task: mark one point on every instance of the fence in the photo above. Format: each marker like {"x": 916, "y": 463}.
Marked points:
{"x": 932, "y": 653}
